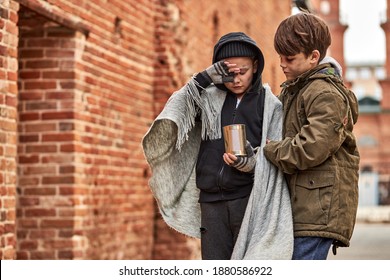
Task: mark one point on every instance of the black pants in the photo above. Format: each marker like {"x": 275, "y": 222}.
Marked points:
{"x": 221, "y": 222}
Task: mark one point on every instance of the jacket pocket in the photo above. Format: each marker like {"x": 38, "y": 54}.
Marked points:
{"x": 313, "y": 197}
{"x": 208, "y": 168}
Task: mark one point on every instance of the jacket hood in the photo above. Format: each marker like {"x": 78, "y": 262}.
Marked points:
{"x": 335, "y": 64}
{"x": 242, "y": 37}
{"x": 334, "y": 72}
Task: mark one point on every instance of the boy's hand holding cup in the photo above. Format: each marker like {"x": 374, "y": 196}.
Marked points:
{"x": 239, "y": 152}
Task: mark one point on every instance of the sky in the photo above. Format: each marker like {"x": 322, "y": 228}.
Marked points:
{"x": 364, "y": 39}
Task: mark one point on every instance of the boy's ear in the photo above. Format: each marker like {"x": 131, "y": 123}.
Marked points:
{"x": 255, "y": 65}
{"x": 315, "y": 57}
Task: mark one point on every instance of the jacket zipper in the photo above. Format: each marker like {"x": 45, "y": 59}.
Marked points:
{"x": 220, "y": 173}
{"x": 235, "y": 111}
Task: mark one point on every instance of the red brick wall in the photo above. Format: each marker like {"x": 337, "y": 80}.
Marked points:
{"x": 85, "y": 102}
{"x": 8, "y": 127}
{"x": 46, "y": 90}
{"x": 92, "y": 77}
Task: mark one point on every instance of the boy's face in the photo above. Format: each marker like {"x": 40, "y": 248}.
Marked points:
{"x": 242, "y": 78}
{"x": 295, "y": 65}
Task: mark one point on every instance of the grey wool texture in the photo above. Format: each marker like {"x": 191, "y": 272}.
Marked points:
{"x": 171, "y": 147}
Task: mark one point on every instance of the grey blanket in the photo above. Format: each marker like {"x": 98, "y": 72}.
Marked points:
{"x": 171, "y": 147}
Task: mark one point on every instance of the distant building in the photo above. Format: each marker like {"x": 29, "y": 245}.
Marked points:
{"x": 371, "y": 84}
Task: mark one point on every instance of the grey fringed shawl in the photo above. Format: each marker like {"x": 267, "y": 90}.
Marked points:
{"x": 171, "y": 147}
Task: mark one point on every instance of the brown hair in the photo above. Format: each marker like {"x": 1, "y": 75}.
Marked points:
{"x": 302, "y": 32}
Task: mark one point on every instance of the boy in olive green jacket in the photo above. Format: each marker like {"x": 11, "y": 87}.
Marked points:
{"x": 318, "y": 152}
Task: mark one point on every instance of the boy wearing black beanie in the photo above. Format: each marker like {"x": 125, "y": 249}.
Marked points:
{"x": 229, "y": 189}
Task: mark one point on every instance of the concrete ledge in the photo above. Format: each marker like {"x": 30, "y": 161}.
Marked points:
{"x": 373, "y": 214}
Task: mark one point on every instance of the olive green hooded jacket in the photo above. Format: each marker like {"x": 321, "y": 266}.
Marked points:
{"x": 318, "y": 154}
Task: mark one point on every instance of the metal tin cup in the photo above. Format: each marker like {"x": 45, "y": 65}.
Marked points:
{"x": 235, "y": 139}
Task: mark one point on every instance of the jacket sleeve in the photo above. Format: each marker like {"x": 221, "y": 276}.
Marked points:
{"x": 320, "y": 136}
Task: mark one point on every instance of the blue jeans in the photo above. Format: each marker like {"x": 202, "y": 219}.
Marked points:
{"x": 311, "y": 248}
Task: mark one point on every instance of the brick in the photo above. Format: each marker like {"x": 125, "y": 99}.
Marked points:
{"x": 58, "y": 75}
{"x": 43, "y": 234}
{"x": 11, "y": 215}
{"x": 57, "y": 159}
{"x": 42, "y": 127}
{"x": 39, "y": 169}
{"x": 33, "y": 85}
{"x": 31, "y": 53}
{"x": 11, "y": 101}
{"x": 57, "y": 115}
{"x": 66, "y": 126}
{"x": 57, "y": 224}
{"x": 7, "y": 125}
{"x": 28, "y": 245}
{"x": 73, "y": 190}
{"x": 29, "y": 201}
{"x": 9, "y": 227}
{"x": 57, "y": 180}
{"x": 36, "y": 95}
{"x": 29, "y": 159}
{"x": 59, "y": 53}
{"x": 66, "y": 148}
{"x": 67, "y": 169}
{"x": 28, "y": 181}
{"x": 28, "y": 138}
{"x": 36, "y": 212}
{"x": 10, "y": 151}
{"x": 58, "y": 244}
{"x": 58, "y": 137}
{"x": 41, "y": 148}
{"x": 60, "y": 95}
{"x": 12, "y": 88}
{"x": 10, "y": 241}
{"x": 41, "y": 191}
{"x": 8, "y": 202}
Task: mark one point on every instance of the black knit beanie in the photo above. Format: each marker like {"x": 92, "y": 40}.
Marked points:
{"x": 236, "y": 49}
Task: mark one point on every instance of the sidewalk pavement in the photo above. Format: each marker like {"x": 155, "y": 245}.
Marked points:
{"x": 373, "y": 214}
